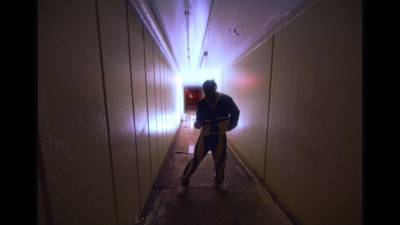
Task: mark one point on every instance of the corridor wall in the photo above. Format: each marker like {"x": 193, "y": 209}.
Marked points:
{"x": 107, "y": 112}
{"x": 300, "y": 127}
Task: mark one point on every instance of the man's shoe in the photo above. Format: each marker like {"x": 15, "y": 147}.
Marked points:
{"x": 222, "y": 186}
{"x": 181, "y": 189}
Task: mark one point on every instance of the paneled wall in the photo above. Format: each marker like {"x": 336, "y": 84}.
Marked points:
{"x": 108, "y": 110}
{"x": 300, "y": 128}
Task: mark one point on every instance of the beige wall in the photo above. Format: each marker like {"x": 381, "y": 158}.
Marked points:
{"x": 312, "y": 113}
{"x": 102, "y": 136}
{"x": 247, "y": 82}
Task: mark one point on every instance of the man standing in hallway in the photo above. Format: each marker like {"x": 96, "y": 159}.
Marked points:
{"x": 216, "y": 114}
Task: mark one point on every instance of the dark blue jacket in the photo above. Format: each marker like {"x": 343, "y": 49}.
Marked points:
{"x": 220, "y": 119}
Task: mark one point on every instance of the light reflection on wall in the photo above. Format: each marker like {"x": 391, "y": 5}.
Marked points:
{"x": 164, "y": 125}
{"x": 174, "y": 112}
{"x": 247, "y": 81}
{"x": 179, "y": 97}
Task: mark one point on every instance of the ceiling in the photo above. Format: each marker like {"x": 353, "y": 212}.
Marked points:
{"x": 204, "y": 36}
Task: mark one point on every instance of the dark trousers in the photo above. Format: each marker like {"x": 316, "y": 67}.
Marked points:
{"x": 217, "y": 145}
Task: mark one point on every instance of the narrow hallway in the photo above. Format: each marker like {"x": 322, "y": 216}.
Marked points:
{"x": 246, "y": 202}
{"x": 114, "y": 77}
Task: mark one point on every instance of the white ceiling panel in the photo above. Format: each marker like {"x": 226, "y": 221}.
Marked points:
{"x": 219, "y": 30}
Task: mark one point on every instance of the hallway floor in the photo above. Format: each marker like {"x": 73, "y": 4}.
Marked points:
{"x": 246, "y": 202}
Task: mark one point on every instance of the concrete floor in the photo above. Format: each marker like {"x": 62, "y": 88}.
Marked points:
{"x": 246, "y": 202}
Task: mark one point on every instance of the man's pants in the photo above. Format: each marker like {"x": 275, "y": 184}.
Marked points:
{"x": 217, "y": 145}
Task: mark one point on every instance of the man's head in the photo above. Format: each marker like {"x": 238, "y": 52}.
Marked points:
{"x": 209, "y": 88}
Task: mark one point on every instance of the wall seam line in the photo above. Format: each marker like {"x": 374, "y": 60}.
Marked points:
{"x": 133, "y": 108}
{"x": 155, "y": 104}
{"x": 162, "y": 112}
{"x": 165, "y": 110}
{"x": 160, "y": 127}
{"x": 147, "y": 104}
{"x": 269, "y": 106}
{"x": 106, "y": 110}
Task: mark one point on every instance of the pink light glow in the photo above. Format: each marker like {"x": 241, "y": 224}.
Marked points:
{"x": 247, "y": 80}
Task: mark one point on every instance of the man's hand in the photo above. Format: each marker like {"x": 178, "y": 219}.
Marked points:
{"x": 197, "y": 125}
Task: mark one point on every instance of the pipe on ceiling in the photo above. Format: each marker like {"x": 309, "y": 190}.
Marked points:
{"x": 187, "y": 31}
{"x": 142, "y": 7}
